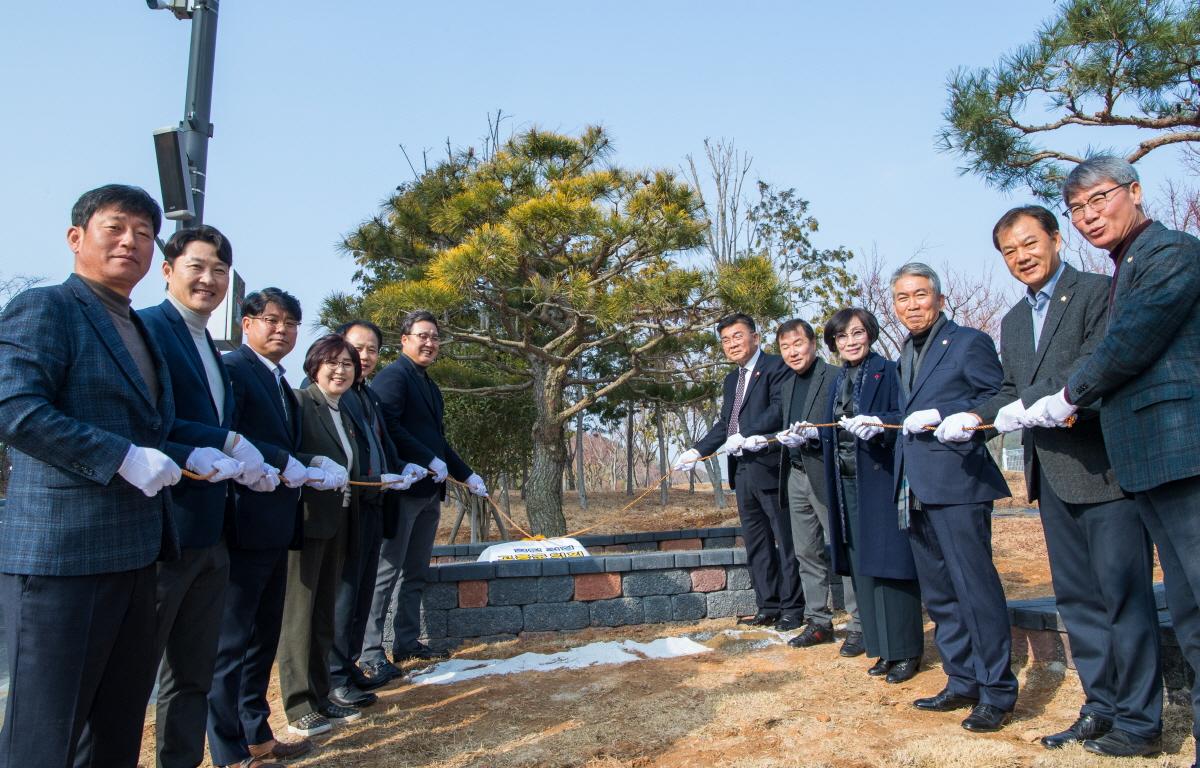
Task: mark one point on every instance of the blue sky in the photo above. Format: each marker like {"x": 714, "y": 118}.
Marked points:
{"x": 312, "y": 100}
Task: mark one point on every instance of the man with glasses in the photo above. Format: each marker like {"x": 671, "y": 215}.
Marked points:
{"x": 412, "y": 413}
{"x": 265, "y": 522}
{"x": 1143, "y": 373}
{"x": 750, "y": 412}
{"x": 1100, "y": 554}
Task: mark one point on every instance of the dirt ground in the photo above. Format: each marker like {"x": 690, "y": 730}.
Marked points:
{"x": 740, "y": 705}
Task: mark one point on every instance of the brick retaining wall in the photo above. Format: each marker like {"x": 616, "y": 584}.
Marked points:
{"x": 686, "y": 540}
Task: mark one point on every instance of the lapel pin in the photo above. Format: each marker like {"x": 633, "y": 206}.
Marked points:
{"x": 945, "y": 342}
{"x": 1129, "y": 260}
{"x": 1063, "y": 299}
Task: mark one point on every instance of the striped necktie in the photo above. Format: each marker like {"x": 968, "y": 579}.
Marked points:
{"x": 738, "y": 394}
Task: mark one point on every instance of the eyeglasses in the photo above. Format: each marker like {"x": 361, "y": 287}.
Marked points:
{"x": 733, "y": 338}
{"x": 431, "y": 338}
{"x": 1097, "y": 202}
{"x": 338, "y": 365}
{"x": 276, "y": 322}
{"x": 856, "y": 335}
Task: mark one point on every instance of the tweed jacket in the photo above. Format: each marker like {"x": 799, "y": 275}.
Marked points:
{"x": 761, "y": 414}
{"x": 264, "y": 520}
{"x": 960, "y": 371}
{"x": 1073, "y": 460}
{"x": 324, "y": 512}
{"x": 200, "y": 506}
{"x": 812, "y": 410}
{"x": 1147, "y": 366}
{"x": 72, "y": 402}
{"x": 413, "y": 412}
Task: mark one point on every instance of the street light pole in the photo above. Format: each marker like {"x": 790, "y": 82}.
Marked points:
{"x": 196, "y": 129}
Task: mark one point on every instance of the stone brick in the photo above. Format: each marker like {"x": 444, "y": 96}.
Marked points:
{"x": 708, "y": 579}
{"x": 597, "y": 586}
{"x": 643, "y": 546}
{"x": 585, "y": 565}
{"x": 543, "y": 617}
{"x": 718, "y": 542}
{"x": 739, "y": 556}
{"x": 618, "y": 612}
{"x": 433, "y": 624}
{"x": 681, "y": 545}
{"x": 617, "y": 564}
{"x": 510, "y": 568}
{"x": 689, "y": 607}
{"x": 738, "y": 577}
{"x": 439, "y": 596}
{"x": 687, "y": 559}
{"x": 520, "y": 591}
{"x": 738, "y": 602}
{"x": 466, "y": 571}
{"x": 613, "y": 548}
{"x": 656, "y": 609}
{"x": 716, "y": 557}
{"x": 556, "y": 567}
{"x": 472, "y": 594}
{"x": 555, "y": 589}
{"x": 1040, "y": 645}
{"x": 652, "y": 562}
{"x": 492, "y": 620}
{"x": 643, "y": 583}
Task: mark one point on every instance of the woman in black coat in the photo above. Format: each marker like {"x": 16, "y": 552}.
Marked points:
{"x": 865, "y": 534}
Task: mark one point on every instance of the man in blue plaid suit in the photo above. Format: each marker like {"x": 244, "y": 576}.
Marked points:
{"x": 86, "y": 406}
{"x": 1144, "y": 375}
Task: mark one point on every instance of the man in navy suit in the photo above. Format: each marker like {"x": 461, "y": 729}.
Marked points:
{"x": 750, "y": 411}
{"x": 944, "y": 496}
{"x": 191, "y": 590}
{"x": 86, "y": 406}
{"x": 412, "y": 413}
{"x": 1143, "y": 374}
{"x": 264, "y": 522}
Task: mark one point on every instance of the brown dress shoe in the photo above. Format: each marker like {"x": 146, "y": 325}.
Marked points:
{"x": 280, "y": 750}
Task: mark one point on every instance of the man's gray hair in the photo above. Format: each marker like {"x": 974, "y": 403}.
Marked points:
{"x": 917, "y": 269}
{"x": 1098, "y": 170}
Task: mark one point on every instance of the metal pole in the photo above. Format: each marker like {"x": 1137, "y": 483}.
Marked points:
{"x": 197, "y": 105}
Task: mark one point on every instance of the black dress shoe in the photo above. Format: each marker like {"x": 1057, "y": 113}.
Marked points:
{"x": 760, "y": 619}
{"x": 903, "y": 670}
{"x": 422, "y": 652}
{"x": 985, "y": 718}
{"x": 351, "y": 696}
{"x": 879, "y": 668}
{"x": 1118, "y": 743}
{"x": 1088, "y": 726}
{"x": 789, "y": 621}
{"x": 853, "y": 645}
{"x": 377, "y": 674}
{"x": 813, "y": 634}
{"x": 945, "y": 701}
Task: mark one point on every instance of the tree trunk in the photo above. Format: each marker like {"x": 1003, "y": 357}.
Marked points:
{"x": 580, "y": 471}
{"x": 543, "y": 491}
{"x": 664, "y": 485}
{"x": 714, "y": 475}
{"x": 629, "y": 451}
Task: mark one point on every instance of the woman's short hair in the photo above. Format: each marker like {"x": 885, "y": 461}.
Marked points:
{"x": 327, "y": 349}
{"x": 841, "y": 321}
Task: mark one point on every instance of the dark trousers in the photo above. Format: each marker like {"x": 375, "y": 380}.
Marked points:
{"x": 250, "y": 621}
{"x": 403, "y": 558}
{"x": 767, "y": 531}
{"x": 1101, "y": 562}
{"x": 313, "y": 575}
{"x": 809, "y": 519}
{"x": 1169, "y": 512}
{"x": 354, "y": 594}
{"x": 952, "y": 548}
{"x": 81, "y": 667}
{"x": 190, "y": 597}
{"x": 889, "y": 610}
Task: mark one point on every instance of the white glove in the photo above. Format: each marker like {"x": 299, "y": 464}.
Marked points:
{"x": 253, "y": 463}
{"x": 439, "y": 470}
{"x": 326, "y": 479}
{"x": 149, "y": 470}
{"x": 952, "y": 429}
{"x": 754, "y": 443}
{"x": 268, "y": 482}
{"x": 917, "y": 421}
{"x": 805, "y": 430}
{"x": 393, "y": 482}
{"x": 334, "y": 472}
{"x": 1011, "y": 417}
{"x": 475, "y": 485}
{"x": 862, "y": 427}
{"x": 789, "y": 439}
{"x": 294, "y": 474}
{"x": 414, "y": 472}
{"x": 686, "y": 460}
{"x": 1050, "y": 411}
{"x": 213, "y": 464}
{"x": 733, "y": 445}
